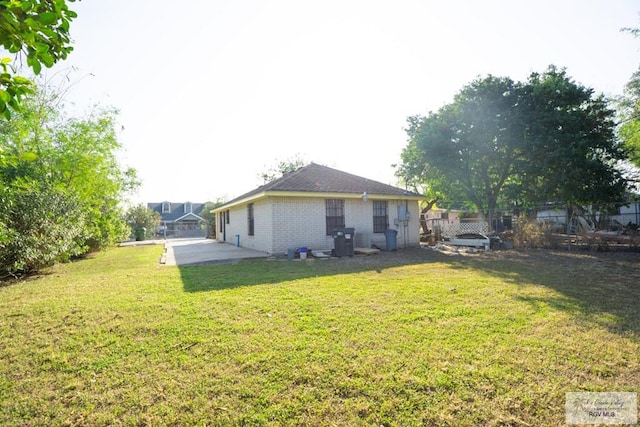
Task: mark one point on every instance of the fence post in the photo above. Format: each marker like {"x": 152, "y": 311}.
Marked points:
{"x": 569, "y": 232}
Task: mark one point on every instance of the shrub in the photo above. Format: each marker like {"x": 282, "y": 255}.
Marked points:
{"x": 42, "y": 226}
{"x": 528, "y": 234}
{"x": 141, "y": 217}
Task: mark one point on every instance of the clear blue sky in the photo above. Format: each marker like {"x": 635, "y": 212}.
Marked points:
{"x": 213, "y": 92}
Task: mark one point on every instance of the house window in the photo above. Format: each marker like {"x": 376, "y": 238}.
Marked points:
{"x": 334, "y": 214}
{"x": 250, "y": 219}
{"x": 166, "y": 207}
{"x": 380, "y": 216}
{"x": 188, "y": 207}
{"x": 222, "y": 221}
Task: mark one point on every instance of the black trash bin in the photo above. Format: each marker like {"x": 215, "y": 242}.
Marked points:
{"x": 343, "y": 240}
{"x": 349, "y": 240}
{"x": 391, "y": 236}
{"x": 339, "y": 244}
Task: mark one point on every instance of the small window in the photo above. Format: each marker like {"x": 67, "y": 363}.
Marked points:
{"x": 334, "y": 214}
{"x": 166, "y": 207}
{"x": 228, "y": 216}
{"x": 380, "y": 216}
{"x": 188, "y": 207}
{"x": 222, "y": 221}
{"x": 250, "y": 219}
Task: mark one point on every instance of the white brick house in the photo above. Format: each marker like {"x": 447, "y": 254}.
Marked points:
{"x": 302, "y": 209}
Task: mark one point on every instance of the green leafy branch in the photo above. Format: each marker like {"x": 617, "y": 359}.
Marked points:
{"x": 37, "y": 30}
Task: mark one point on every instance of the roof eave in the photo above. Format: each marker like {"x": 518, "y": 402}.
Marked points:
{"x": 317, "y": 195}
{"x": 189, "y": 214}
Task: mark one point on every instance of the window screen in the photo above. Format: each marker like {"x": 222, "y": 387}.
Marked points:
{"x": 380, "y": 216}
{"x": 334, "y": 214}
{"x": 250, "y": 222}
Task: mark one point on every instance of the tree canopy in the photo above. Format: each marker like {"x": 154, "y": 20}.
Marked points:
{"x": 37, "y": 30}
{"x": 629, "y": 112}
{"x": 506, "y": 142}
{"x": 574, "y": 153}
{"x": 282, "y": 168}
{"x": 140, "y": 217}
{"x": 630, "y": 118}
{"x": 60, "y": 185}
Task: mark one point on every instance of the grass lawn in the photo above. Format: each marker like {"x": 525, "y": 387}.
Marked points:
{"x": 414, "y": 338}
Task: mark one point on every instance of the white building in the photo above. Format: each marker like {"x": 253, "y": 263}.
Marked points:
{"x": 302, "y": 208}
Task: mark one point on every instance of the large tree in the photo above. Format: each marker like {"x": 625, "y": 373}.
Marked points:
{"x": 37, "y": 30}
{"x": 573, "y": 152}
{"x": 469, "y": 149}
{"x": 629, "y": 112}
{"x": 629, "y": 116}
{"x": 60, "y": 184}
{"x": 528, "y": 142}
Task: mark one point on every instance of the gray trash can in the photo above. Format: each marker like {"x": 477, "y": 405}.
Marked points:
{"x": 391, "y": 237}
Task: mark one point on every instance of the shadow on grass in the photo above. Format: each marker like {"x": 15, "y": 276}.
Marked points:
{"x": 9, "y": 279}
{"x": 589, "y": 284}
{"x": 262, "y": 272}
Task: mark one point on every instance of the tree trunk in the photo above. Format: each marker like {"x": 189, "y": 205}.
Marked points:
{"x": 423, "y": 221}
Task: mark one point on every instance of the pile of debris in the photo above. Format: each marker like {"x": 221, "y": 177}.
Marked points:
{"x": 469, "y": 243}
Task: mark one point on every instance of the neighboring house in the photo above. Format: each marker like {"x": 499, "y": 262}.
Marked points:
{"x": 552, "y": 214}
{"x": 303, "y": 208}
{"x": 437, "y": 216}
{"x": 180, "y": 219}
{"x": 446, "y": 223}
{"x": 627, "y": 213}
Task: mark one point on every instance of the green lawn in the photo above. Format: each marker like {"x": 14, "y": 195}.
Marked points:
{"x": 416, "y": 338}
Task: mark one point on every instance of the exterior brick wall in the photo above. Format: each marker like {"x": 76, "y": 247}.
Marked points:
{"x": 262, "y": 230}
{"x": 292, "y": 222}
{"x": 299, "y": 222}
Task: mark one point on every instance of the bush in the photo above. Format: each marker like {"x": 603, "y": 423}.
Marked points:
{"x": 60, "y": 192}
{"x": 42, "y": 226}
{"x": 141, "y": 217}
{"x": 528, "y": 234}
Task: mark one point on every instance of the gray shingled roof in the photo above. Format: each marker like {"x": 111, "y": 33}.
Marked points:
{"x": 315, "y": 178}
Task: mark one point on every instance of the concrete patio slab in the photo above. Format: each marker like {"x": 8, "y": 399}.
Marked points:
{"x": 200, "y": 251}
